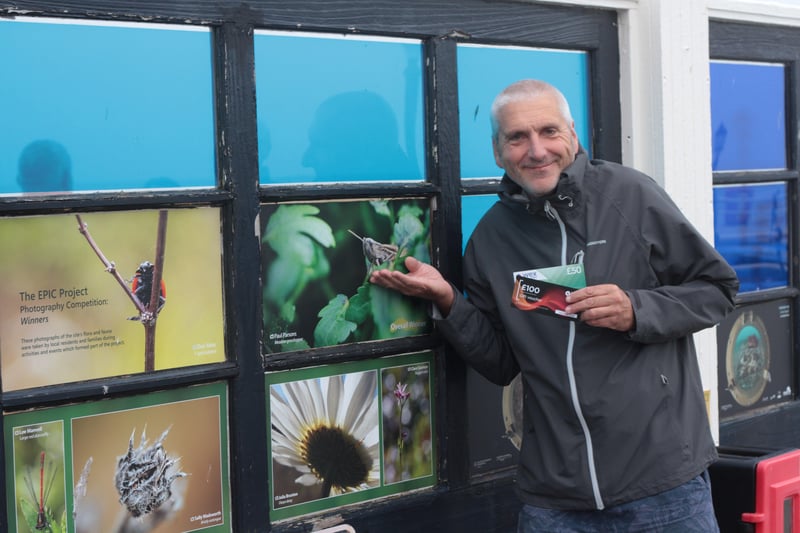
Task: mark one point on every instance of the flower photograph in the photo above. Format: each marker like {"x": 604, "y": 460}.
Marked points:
{"x": 325, "y": 437}
{"x": 39, "y": 485}
{"x": 407, "y": 437}
{"x": 151, "y": 468}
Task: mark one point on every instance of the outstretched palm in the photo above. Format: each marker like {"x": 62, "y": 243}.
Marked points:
{"x": 422, "y": 281}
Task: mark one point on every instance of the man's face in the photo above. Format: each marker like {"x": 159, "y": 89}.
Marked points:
{"x": 534, "y": 143}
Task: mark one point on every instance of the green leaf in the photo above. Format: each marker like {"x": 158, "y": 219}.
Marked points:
{"x": 333, "y": 328}
{"x": 31, "y": 514}
{"x": 381, "y": 207}
{"x": 57, "y": 527}
{"x": 295, "y": 232}
{"x": 286, "y": 280}
{"x": 408, "y": 229}
{"x": 359, "y": 309}
{"x": 396, "y": 315}
{"x": 411, "y": 210}
{"x": 288, "y": 311}
{"x": 421, "y": 252}
{"x": 320, "y": 266}
{"x": 282, "y": 278}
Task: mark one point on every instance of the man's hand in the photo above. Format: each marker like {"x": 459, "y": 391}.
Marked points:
{"x": 603, "y": 306}
{"x": 422, "y": 281}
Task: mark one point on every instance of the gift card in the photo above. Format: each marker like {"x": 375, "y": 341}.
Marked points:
{"x": 545, "y": 289}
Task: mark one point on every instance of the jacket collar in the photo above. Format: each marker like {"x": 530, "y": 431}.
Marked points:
{"x": 566, "y": 198}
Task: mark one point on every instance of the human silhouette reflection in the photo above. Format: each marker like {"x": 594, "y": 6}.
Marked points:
{"x": 44, "y": 166}
{"x": 354, "y": 136}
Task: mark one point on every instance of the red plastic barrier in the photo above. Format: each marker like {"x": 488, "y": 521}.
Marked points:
{"x": 777, "y": 494}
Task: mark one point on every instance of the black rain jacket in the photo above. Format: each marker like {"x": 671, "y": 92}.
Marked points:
{"x": 609, "y": 417}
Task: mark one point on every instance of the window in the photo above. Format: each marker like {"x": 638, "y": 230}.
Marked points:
{"x": 753, "y": 106}
{"x": 347, "y": 108}
{"x": 261, "y": 161}
{"x": 567, "y": 70}
{"x": 102, "y": 106}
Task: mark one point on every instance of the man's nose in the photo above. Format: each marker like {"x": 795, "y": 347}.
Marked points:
{"x": 536, "y": 148}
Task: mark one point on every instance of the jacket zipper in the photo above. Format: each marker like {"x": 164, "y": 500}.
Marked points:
{"x": 598, "y": 499}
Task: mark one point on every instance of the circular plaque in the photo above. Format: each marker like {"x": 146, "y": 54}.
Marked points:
{"x": 747, "y": 359}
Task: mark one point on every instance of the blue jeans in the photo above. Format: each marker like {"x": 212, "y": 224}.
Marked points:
{"x": 685, "y": 509}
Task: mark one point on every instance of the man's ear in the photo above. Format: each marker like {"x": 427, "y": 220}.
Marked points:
{"x": 575, "y": 142}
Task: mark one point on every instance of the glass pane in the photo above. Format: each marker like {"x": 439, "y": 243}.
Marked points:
{"x": 105, "y": 106}
{"x": 68, "y": 317}
{"x": 567, "y": 70}
{"x": 373, "y": 437}
{"x": 494, "y": 413}
{"x": 338, "y": 108}
{"x": 750, "y": 231}
{"x": 748, "y": 117}
{"x": 472, "y": 209}
{"x": 316, "y": 261}
{"x": 157, "y": 461}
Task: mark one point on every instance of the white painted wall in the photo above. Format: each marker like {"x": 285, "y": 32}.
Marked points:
{"x": 665, "y": 105}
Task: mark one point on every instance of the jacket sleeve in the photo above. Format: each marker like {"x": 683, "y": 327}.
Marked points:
{"x": 474, "y": 330}
{"x": 696, "y": 286}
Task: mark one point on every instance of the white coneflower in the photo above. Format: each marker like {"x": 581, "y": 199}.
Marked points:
{"x": 327, "y": 430}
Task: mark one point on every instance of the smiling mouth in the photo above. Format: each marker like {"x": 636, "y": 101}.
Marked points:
{"x": 539, "y": 166}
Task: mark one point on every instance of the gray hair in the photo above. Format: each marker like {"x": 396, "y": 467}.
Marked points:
{"x": 524, "y": 90}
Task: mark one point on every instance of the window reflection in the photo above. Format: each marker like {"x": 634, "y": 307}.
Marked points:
{"x": 377, "y": 131}
{"x": 105, "y": 106}
{"x": 750, "y": 230}
{"x": 472, "y": 210}
{"x": 748, "y": 118}
{"x": 44, "y": 166}
{"x": 354, "y": 136}
{"x": 338, "y": 108}
{"x": 566, "y": 69}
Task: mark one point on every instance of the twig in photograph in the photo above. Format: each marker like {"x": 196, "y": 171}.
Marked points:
{"x": 151, "y": 303}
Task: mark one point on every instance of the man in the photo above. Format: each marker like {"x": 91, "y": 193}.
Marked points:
{"x": 615, "y": 436}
